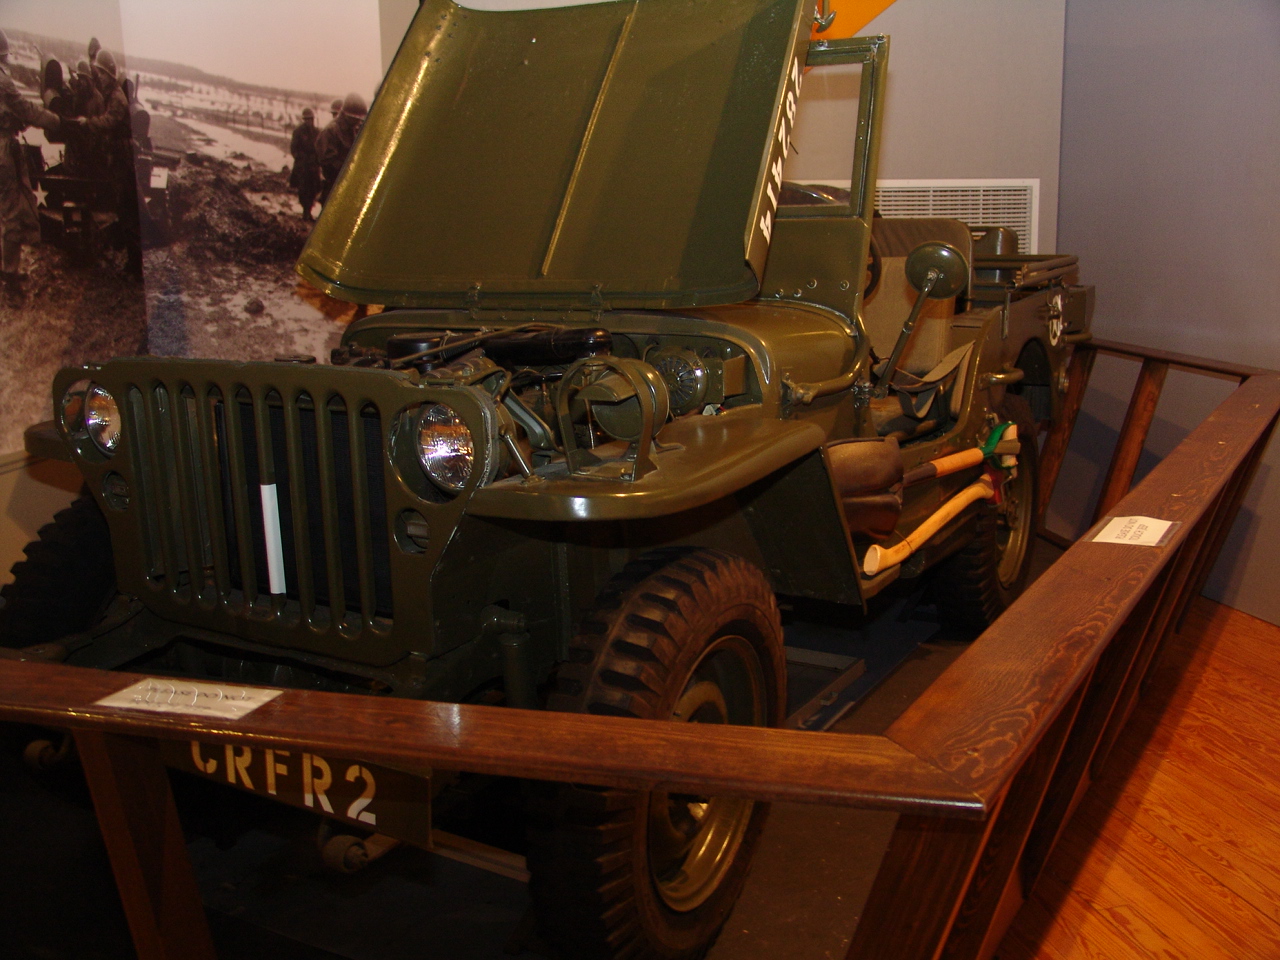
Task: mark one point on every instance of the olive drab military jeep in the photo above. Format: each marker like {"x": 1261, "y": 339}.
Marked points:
{"x": 631, "y": 384}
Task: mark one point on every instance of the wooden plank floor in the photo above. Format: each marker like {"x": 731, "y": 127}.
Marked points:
{"x": 1175, "y": 851}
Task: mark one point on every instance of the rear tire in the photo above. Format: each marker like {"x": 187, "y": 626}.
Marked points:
{"x": 680, "y": 634}
{"x": 65, "y": 583}
{"x": 977, "y": 583}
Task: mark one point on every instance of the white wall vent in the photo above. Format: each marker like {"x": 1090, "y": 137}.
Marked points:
{"x": 979, "y": 203}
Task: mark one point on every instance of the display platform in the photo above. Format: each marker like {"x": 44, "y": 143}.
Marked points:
{"x": 269, "y": 895}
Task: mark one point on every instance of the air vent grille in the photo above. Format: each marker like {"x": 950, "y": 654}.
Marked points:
{"x": 979, "y": 203}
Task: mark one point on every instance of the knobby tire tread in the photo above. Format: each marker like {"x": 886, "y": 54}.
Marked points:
{"x": 620, "y": 663}
{"x": 65, "y": 581}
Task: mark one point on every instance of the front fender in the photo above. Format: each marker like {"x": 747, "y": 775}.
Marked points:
{"x": 44, "y": 442}
{"x": 707, "y": 458}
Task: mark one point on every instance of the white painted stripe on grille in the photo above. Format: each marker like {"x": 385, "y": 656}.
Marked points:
{"x": 275, "y": 544}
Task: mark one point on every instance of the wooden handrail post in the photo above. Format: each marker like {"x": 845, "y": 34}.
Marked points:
{"x": 917, "y": 893}
{"x": 1059, "y": 435}
{"x": 1133, "y": 435}
{"x": 1161, "y": 621}
{"x": 1242, "y": 481}
{"x": 997, "y": 891}
{"x": 139, "y": 821}
{"x": 1072, "y": 777}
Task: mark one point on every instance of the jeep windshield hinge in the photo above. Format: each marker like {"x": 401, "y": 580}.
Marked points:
{"x": 824, "y": 16}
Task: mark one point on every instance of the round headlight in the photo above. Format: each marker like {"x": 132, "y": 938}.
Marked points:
{"x": 102, "y": 419}
{"x": 446, "y": 448}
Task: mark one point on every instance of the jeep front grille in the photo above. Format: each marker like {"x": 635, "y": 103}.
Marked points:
{"x": 205, "y": 459}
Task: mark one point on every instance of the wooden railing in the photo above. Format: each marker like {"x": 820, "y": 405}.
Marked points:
{"x": 984, "y": 769}
{"x": 1137, "y": 419}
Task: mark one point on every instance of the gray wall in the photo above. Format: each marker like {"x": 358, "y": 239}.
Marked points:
{"x": 394, "y": 17}
{"x": 1171, "y": 196}
{"x": 975, "y": 90}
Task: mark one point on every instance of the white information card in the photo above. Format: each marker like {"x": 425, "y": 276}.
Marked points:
{"x": 159, "y": 695}
{"x": 1139, "y": 531}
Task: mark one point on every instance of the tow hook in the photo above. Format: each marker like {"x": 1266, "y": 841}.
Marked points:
{"x": 43, "y": 754}
{"x": 345, "y": 853}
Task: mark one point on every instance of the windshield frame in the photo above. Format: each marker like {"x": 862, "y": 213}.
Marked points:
{"x": 873, "y": 54}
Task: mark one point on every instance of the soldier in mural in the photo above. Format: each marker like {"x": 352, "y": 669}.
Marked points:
{"x": 219, "y": 231}
{"x": 19, "y": 221}
{"x": 305, "y": 177}
{"x": 186, "y": 179}
{"x": 75, "y": 98}
{"x": 113, "y": 143}
{"x": 336, "y": 139}
{"x": 86, "y": 101}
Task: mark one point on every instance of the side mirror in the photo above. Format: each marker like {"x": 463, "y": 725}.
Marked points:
{"x": 937, "y": 270}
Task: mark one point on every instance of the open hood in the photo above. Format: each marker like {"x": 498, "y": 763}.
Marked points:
{"x": 618, "y": 154}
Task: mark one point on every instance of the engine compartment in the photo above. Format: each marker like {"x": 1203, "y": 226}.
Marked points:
{"x": 567, "y": 399}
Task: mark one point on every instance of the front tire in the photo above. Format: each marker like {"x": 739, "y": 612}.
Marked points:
{"x": 66, "y": 582}
{"x": 686, "y": 635}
